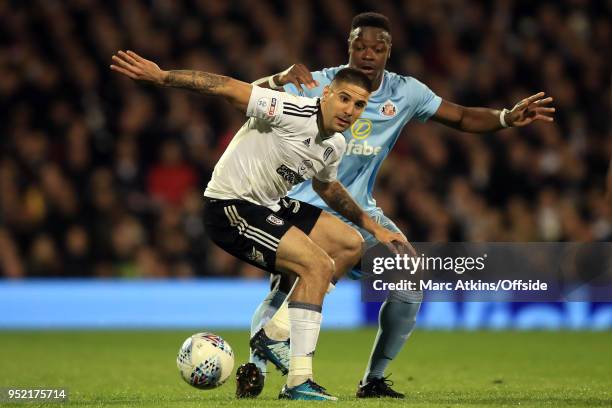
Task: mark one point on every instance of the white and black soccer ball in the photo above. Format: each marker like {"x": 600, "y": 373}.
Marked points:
{"x": 205, "y": 360}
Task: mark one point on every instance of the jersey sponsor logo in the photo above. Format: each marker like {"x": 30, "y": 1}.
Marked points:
{"x": 274, "y": 220}
{"x": 327, "y": 152}
{"x": 289, "y": 175}
{"x": 388, "y": 109}
{"x": 361, "y": 129}
{"x": 307, "y": 142}
{"x": 361, "y": 149}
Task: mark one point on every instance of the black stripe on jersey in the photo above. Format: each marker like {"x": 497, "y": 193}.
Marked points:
{"x": 296, "y": 108}
{"x": 289, "y": 109}
{"x": 303, "y": 114}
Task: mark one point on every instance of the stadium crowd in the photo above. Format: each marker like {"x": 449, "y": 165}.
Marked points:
{"x": 100, "y": 176}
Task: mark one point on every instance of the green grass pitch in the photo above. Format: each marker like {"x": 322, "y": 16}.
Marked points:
{"x": 445, "y": 369}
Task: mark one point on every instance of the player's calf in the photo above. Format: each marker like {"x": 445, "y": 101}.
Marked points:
{"x": 298, "y": 254}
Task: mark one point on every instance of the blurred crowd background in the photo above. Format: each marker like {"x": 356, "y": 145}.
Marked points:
{"x": 100, "y": 176}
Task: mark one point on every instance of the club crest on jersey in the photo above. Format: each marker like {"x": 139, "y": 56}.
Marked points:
{"x": 307, "y": 142}
{"x": 274, "y": 220}
{"x": 388, "y": 109}
{"x": 327, "y": 152}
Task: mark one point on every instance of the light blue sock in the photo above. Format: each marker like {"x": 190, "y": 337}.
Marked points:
{"x": 263, "y": 313}
{"x": 396, "y": 321}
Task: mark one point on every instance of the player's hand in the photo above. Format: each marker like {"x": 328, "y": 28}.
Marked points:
{"x": 531, "y": 109}
{"x": 139, "y": 69}
{"x": 297, "y": 75}
{"x": 396, "y": 242}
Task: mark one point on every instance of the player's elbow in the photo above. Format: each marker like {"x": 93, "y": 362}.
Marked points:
{"x": 238, "y": 93}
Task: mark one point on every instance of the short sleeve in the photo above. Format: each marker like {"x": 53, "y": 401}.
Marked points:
{"x": 280, "y": 109}
{"x": 318, "y": 76}
{"x": 329, "y": 173}
{"x": 427, "y": 102}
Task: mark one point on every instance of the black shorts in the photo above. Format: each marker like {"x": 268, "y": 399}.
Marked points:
{"x": 252, "y": 232}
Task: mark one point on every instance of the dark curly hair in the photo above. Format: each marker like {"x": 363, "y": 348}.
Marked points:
{"x": 371, "y": 19}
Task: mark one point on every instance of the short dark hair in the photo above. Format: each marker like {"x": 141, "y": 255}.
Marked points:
{"x": 371, "y": 19}
{"x": 354, "y": 76}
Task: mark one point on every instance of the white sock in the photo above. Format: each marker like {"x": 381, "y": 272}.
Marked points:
{"x": 305, "y": 320}
{"x": 277, "y": 328}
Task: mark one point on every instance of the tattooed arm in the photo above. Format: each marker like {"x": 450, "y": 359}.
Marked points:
{"x": 134, "y": 66}
{"x": 339, "y": 199}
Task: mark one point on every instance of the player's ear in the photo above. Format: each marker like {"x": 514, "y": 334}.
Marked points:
{"x": 326, "y": 91}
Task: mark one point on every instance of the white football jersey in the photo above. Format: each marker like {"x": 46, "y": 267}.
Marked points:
{"x": 277, "y": 148}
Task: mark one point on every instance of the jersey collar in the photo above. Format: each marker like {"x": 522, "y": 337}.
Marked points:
{"x": 382, "y": 82}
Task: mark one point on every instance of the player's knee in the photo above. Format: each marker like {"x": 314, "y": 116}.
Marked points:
{"x": 319, "y": 269}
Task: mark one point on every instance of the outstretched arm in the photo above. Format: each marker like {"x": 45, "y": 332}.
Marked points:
{"x": 481, "y": 120}
{"x": 140, "y": 69}
{"x": 339, "y": 199}
{"x": 296, "y": 74}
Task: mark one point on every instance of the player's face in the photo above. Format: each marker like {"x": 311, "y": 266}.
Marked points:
{"x": 342, "y": 105}
{"x": 369, "y": 49}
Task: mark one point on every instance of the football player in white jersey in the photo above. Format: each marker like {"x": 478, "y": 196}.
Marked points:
{"x": 285, "y": 141}
{"x": 395, "y": 100}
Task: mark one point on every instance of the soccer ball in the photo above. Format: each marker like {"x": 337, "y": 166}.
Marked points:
{"x": 205, "y": 360}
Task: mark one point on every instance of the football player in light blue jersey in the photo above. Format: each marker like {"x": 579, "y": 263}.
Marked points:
{"x": 396, "y": 100}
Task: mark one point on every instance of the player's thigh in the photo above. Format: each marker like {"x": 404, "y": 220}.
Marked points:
{"x": 334, "y": 235}
{"x": 298, "y": 254}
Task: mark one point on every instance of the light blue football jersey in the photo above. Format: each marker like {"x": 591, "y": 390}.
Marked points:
{"x": 371, "y": 138}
